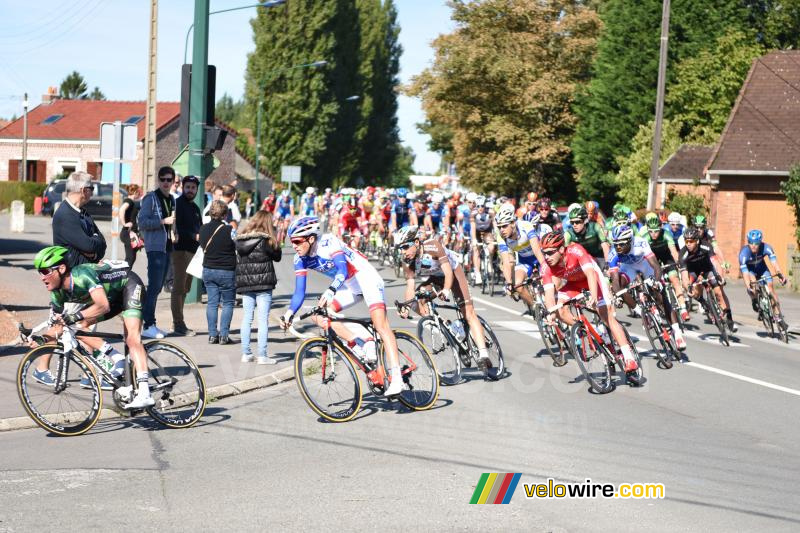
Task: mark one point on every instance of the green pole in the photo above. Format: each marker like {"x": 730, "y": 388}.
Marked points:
{"x": 258, "y": 147}
{"x": 199, "y": 162}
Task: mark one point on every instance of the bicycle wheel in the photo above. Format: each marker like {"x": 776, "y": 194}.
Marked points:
{"x": 497, "y": 364}
{"x": 66, "y": 408}
{"x": 716, "y": 318}
{"x": 327, "y": 380}
{"x": 766, "y": 315}
{"x": 656, "y": 334}
{"x": 592, "y": 358}
{"x": 484, "y": 273}
{"x": 444, "y": 353}
{"x": 554, "y": 343}
{"x": 176, "y": 385}
{"x": 419, "y": 372}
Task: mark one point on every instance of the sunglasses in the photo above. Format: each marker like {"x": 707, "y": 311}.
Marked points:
{"x": 693, "y": 241}
{"x": 165, "y": 180}
{"x": 504, "y": 226}
{"x": 548, "y": 253}
{"x": 406, "y": 246}
{"x": 298, "y": 241}
{"x": 47, "y": 271}
{"x": 576, "y": 222}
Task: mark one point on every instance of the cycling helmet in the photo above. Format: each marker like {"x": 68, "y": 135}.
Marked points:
{"x": 304, "y": 227}
{"x": 50, "y": 257}
{"x": 573, "y": 206}
{"x": 370, "y": 190}
{"x": 544, "y": 203}
{"x": 471, "y": 196}
{"x": 692, "y": 234}
{"x": 621, "y": 234}
{"x": 554, "y": 239}
{"x": 506, "y": 215}
{"x": 309, "y": 190}
{"x": 578, "y": 212}
{"x": 285, "y": 192}
{"x": 402, "y": 191}
{"x": 437, "y": 198}
{"x": 674, "y": 218}
{"x": 532, "y": 197}
{"x": 754, "y": 236}
{"x": 328, "y": 190}
{"x": 699, "y": 221}
{"x": 480, "y": 200}
{"x": 591, "y": 207}
{"x": 502, "y": 200}
{"x": 652, "y": 221}
{"x": 405, "y": 235}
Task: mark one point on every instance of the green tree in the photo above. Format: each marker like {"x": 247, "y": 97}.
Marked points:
{"x": 776, "y": 22}
{"x": 686, "y": 203}
{"x": 403, "y": 167}
{"x": 634, "y": 169}
{"x": 73, "y": 87}
{"x": 707, "y": 85}
{"x": 229, "y": 111}
{"x": 440, "y": 141}
{"x": 791, "y": 189}
{"x": 502, "y": 83}
{"x": 96, "y": 94}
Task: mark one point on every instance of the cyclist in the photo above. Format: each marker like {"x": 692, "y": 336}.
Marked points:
{"x": 708, "y": 239}
{"x": 754, "y": 262}
{"x": 440, "y": 266}
{"x": 284, "y": 210}
{"x": 630, "y": 256}
{"x": 697, "y": 259}
{"x": 676, "y": 228}
{"x": 419, "y": 211}
{"x": 435, "y": 216}
{"x": 520, "y": 237}
{"x": 481, "y": 231}
{"x": 307, "y": 202}
{"x": 573, "y": 264}
{"x": 349, "y": 224}
{"x": 450, "y": 221}
{"x": 353, "y": 277}
{"x": 663, "y": 246}
{"x": 400, "y": 210}
{"x": 588, "y": 234}
{"x": 548, "y": 215}
{"x": 593, "y": 210}
{"x": 106, "y": 291}
{"x": 529, "y": 210}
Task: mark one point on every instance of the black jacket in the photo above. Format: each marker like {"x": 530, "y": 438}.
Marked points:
{"x": 255, "y": 271}
{"x": 187, "y": 222}
{"x": 220, "y": 252}
{"x": 78, "y": 232}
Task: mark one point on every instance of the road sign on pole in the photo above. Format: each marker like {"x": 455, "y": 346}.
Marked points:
{"x": 117, "y": 144}
{"x": 290, "y": 174}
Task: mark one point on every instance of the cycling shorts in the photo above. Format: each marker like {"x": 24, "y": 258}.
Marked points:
{"x": 283, "y": 213}
{"x": 761, "y": 272}
{"x": 367, "y": 284}
{"x": 527, "y": 264}
{"x": 486, "y": 237}
{"x": 130, "y": 305}
{"x": 629, "y": 271}
{"x": 710, "y": 275}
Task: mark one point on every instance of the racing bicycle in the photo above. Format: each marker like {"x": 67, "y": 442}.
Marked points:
{"x": 554, "y": 335}
{"x": 711, "y": 307}
{"x": 658, "y": 333}
{"x": 766, "y": 310}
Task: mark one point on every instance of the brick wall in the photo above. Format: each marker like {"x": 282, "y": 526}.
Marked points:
{"x": 684, "y": 188}
{"x": 728, "y": 223}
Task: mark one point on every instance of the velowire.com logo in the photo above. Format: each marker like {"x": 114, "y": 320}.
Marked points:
{"x": 495, "y": 488}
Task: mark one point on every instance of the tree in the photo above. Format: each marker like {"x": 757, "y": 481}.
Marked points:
{"x": 634, "y": 169}
{"x": 791, "y": 189}
{"x": 96, "y": 94}
{"x": 403, "y": 167}
{"x": 707, "y": 85}
{"x": 229, "y": 112}
{"x": 73, "y": 87}
{"x": 776, "y": 22}
{"x": 686, "y": 203}
{"x": 502, "y": 86}
{"x": 441, "y": 139}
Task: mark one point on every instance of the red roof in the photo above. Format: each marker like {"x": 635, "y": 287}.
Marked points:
{"x": 81, "y": 118}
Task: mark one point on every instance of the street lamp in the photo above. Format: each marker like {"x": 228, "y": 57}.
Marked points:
{"x": 266, "y": 77}
{"x": 267, "y": 4}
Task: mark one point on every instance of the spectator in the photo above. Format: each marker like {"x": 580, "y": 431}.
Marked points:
{"x": 216, "y": 194}
{"x": 129, "y": 234}
{"x": 156, "y": 220}
{"x": 219, "y": 272}
{"x": 234, "y": 216}
{"x": 74, "y": 228}
{"x": 209, "y": 188}
{"x": 257, "y": 248}
{"x": 175, "y": 191}
{"x": 248, "y": 207}
{"x": 187, "y": 222}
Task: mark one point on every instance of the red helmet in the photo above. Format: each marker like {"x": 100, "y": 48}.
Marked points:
{"x": 370, "y": 190}
{"x": 552, "y": 240}
{"x": 544, "y": 203}
{"x": 591, "y": 207}
{"x": 532, "y": 197}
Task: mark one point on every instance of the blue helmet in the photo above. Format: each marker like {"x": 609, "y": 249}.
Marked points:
{"x": 304, "y": 227}
{"x": 754, "y": 236}
{"x": 402, "y": 192}
{"x": 621, "y": 234}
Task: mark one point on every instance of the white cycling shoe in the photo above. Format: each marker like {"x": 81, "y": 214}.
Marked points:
{"x": 140, "y": 402}
{"x": 395, "y": 388}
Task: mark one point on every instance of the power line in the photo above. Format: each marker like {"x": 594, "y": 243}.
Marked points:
{"x": 44, "y": 32}
{"x": 39, "y": 25}
{"x": 66, "y": 30}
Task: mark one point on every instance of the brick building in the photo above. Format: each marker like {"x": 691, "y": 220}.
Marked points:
{"x": 684, "y": 172}
{"x": 63, "y": 136}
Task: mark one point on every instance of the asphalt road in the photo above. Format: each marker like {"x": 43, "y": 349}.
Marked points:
{"x": 719, "y": 433}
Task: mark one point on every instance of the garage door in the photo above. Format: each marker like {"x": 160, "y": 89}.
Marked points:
{"x": 771, "y": 214}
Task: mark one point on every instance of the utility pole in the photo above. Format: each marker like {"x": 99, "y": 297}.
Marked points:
{"x": 149, "y": 170}
{"x": 25, "y": 137}
{"x": 662, "y": 73}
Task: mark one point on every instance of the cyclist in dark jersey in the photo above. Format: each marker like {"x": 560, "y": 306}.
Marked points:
{"x": 588, "y": 234}
{"x": 106, "y": 291}
{"x": 482, "y": 231}
{"x": 663, "y": 246}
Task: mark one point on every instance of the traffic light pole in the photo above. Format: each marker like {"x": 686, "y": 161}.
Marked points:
{"x": 199, "y": 162}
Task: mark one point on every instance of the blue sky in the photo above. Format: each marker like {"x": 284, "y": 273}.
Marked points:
{"x": 106, "y": 41}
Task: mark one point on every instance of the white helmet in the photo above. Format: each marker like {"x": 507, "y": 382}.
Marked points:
{"x": 337, "y": 204}
{"x": 471, "y": 196}
{"x": 506, "y": 215}
{"x": 404, "y": 235}
{"x": 411, "y": 196}
{"x": 480, "y": 200}
{"x": 437, "y": 198}
{"x": 303, "y": 227}
{"x": 674, "y": 218}
{"x": 309, "y": 190}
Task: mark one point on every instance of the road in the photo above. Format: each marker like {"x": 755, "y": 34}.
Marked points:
{"x": 719, "y": 433}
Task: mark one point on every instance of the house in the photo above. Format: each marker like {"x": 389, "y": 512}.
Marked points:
{"x": 64, "y": 136}
{"x": 684, "y": 172}
{"x": 757, "y": 149}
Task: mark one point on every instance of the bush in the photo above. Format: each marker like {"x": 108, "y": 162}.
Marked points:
{"x": 15, "y": 190}
{"x": 791, "y": 188}
{"x": 687, "y": 204}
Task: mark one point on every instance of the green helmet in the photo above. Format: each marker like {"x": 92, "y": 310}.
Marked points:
{"x": 700, "y": 221}
{"x": 652, "y": 221}
{"x": 578, "y": 212}
{"x": 50, "y": 257}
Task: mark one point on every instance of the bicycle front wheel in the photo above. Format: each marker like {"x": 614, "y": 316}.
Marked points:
{"x": 554, "y": 343}
{"x": 497, "y": 365}
{"x": 69, "y": 407}
{"x": 176, "y": 385}
{"x": 444, "y": 354}
{"x": 655, "y": 333}
{"x": 592, "y": 358}
{"x": 327, "y": 380}
{"x": 716, "y": 317}
{"x": 418, "y": 369}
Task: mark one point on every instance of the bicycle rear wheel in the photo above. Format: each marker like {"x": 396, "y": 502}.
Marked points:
{"x": 66, "y": 408}
{"x": 176, "y": 385}
{"x": 716, "y": 317}
{"x": 444, "y": 353}
{"x": 655, "y": 333}
{"x": 418, "y": 369}
{"x": 554, "y": 343}
{"x": 592, "y": 358}
{"x": 766, "y": 315}
{"x": 497, "y": 365}
{"x": 327, "y": 380}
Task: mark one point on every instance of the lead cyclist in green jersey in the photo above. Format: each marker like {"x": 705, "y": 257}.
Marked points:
{"x": 106, "y": 291}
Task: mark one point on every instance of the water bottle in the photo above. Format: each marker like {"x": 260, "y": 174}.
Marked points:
{"x": 458, "y": 329}
{"x": 601, "y": 329}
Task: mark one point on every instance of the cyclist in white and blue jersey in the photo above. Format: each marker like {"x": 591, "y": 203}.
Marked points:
{"x": 755, "y": 258}
{"x": 307, "y": 203}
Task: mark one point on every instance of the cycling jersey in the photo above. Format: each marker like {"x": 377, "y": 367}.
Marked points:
{"x": 482, "y": 221}
{"x": 123, "y": 288}
{"x": 351, "y": 272}
{"x": 755, "y": 263}
{"x": 429, "y": 263}
{"x": 307, "y": 204}
{"x": 661, "y": 246}
{"x": 465, "y": 219}
{"x": 401, "y": 213}
{"x": 708, "y": 238}
{"x": 699, "y": 261}
{"x": 437, "y": 215}
{"x": 552, "y": 219}
{"x": 592, "y": 238}
{"x": 420, "y": 215}
{"x": 633, "y": 262}
{"x": 577, "y": 262}
{"x": 522, "y": 243}
{"x": 284, "y": 206}
{"x": 348, "y": 223}
{"x": 366, "y": 205}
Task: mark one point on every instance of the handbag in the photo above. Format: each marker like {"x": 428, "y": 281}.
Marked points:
{"x": 195, "y": 266}
{"x": 136, "y": 241}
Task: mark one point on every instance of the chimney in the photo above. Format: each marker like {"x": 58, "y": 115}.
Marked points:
{"x": 51, "y": 95}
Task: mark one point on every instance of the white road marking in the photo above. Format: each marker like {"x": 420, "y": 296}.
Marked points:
{"x": 712, "y": 338}
{"x": 502, "y": 308}
{"x": 744, "y": 378}
{"x": 520, "y": 326}
{"x": 755, "y": 337}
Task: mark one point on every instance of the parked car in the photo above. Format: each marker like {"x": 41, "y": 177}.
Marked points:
{"x": 53, "y": 195}
{"x": 99, "y": 206}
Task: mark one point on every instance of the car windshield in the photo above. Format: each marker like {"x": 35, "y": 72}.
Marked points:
{"x": 103, "y": 189}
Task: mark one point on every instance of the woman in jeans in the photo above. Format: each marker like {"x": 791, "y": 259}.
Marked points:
{"x": 127, "y": 218}
{"x": 219, "y": 272}
{"x": 257, "y": 248}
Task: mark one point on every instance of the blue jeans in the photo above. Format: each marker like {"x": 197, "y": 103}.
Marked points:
{"x": 157, "y": 263}
{"x": 249, "y": 301}
{"x": 220, "y": 284}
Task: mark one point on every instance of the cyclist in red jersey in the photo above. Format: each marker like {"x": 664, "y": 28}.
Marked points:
{"x": 349, "y": 223}
{"x": 575, "y": 271}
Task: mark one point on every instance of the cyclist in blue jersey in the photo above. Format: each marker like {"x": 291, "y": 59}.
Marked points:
{"x": 435, "y": 216}
{"x": 755, "y": 259}
{"x": 307, "y": 200}
{"x": 401, "y": 210}
{"x": 284, "y": 211}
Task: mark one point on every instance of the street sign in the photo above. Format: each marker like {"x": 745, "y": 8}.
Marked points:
{"x": 290, "y": 174}
{"x": 181, "y": 163}
{"x": 108, "y": 142}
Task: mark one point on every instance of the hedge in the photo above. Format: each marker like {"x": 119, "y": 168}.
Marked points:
{"x": 16, "y": 190}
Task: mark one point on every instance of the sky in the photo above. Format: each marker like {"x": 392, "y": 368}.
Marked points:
{"x": 107, "y": 42}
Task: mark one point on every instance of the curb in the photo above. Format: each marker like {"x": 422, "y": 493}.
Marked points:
{"x": 212, "y": 394}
